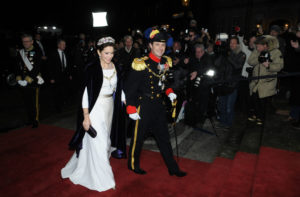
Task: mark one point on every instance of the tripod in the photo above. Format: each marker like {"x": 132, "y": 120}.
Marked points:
{"x": 208, "y": 114}
{"x": 212, "y": 123}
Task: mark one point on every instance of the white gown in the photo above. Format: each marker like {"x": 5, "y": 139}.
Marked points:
{"x": 92, "y": 168}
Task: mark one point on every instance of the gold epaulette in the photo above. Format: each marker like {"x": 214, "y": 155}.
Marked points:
{"x": 169, "y": 60}
{"x": 139, "y": 64}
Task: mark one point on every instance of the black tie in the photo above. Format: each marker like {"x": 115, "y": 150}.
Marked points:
{"x": 63, "y": 60}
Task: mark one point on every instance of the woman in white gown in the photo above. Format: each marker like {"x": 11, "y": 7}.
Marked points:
{"x": 91, "y": 168}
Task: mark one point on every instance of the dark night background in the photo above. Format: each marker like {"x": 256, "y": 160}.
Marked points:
{"x": 74, "y": 16}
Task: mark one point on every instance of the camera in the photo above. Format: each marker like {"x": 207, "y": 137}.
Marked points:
{"x": 249, "y": 70}
{"x": 222, "y": 36}
{"x": 207, "y": 76}
{"x": 264, "y": 57}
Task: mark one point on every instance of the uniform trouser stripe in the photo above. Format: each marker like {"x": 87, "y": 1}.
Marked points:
{"x": 37, "y": 104}
{"x": 134, "y": 139}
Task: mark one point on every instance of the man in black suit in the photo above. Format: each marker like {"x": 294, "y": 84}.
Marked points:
{"x": 60, "y": 74}
{"x": 126, "y": 55}
{"x": 40, "y": 45}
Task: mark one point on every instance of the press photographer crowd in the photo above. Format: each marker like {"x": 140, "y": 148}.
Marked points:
{"x": 210, "y": 74}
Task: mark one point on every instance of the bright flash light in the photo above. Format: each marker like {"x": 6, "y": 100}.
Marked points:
{"x": 53, "y": 27}
{"x": 210, "y": 73}
{"x": 99, "y": 19}
{"x": 45, "y": 27}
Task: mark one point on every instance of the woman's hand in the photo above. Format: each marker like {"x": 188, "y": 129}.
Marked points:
{"x": 86, "y": 123}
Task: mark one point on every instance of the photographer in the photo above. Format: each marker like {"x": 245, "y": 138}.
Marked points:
{"x": 294, "y": 100}
{"x": 243, "y": 100}
{"x": 229, "y": 66}
{"x": 266, "y": 60}
{"x": 199, "y": 86}
{"x": 190, "y": 40}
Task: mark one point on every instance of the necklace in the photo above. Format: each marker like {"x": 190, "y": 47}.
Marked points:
{"x": 110, "y": 77}
{"x": 161, "y": 77}
{"x": 156, "y": 75}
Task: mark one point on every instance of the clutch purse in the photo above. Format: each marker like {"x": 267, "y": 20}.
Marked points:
{"x": 92, "y": 132}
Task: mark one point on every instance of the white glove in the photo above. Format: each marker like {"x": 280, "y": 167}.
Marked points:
{"x": 134, "y": 116}
{"x": 40, "y": 80}
{"x": 172, "y": 97}
{"x": 22, "y": 83}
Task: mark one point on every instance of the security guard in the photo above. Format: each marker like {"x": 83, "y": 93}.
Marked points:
{"x": 29, "y": 78}
{"x": 144, "y": 89}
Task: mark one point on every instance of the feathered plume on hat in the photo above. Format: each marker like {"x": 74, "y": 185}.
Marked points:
{"x": 158, "y": 36}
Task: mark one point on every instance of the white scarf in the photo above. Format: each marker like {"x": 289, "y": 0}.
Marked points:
{"x": 25, "y": 60}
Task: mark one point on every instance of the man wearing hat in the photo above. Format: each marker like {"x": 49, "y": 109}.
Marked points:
{"x": 266, "y": 59}
{"x": 144, "y": 89}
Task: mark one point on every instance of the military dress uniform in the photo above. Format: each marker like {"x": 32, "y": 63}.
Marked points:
{"x": 29, "y": 80}
{"x": 144, "y": 89}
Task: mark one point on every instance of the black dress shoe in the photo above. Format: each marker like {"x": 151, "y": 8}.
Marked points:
{"x": 177, "y": 173}
{"x": 35, "y": 124}
{"x": 138, "y": 171}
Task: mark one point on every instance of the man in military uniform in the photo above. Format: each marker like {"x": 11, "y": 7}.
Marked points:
{"x": 29, "y": 78}
{"x": 144, "y": 89}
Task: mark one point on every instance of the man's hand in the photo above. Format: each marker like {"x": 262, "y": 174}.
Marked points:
{"x": 295, "y": 44}
{"x": 266, "y": 64}
{"x": 193, "y": 75}
{"x": 172, "y": 97}
{"x": 134, "y": 116}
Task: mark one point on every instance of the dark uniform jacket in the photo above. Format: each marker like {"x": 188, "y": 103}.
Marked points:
{"x": 23, "y": 73}
{"x": 142, "y": 82}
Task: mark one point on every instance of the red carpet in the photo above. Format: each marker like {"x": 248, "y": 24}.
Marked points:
{"x": 277, "y": 173}
{"x": 31, "y": 160}
{"x": 241, "y": 176}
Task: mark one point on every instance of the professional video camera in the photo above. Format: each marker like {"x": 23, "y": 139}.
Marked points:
{"x": 264, "y": 56}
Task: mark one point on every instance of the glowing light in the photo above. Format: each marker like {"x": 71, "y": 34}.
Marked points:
{"x": 99, "y": 19}
{"x": 210, "y": 73}
{"x": 185, "y": 3}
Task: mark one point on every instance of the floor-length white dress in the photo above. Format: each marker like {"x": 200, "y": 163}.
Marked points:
{"x": 92, "y": 168}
